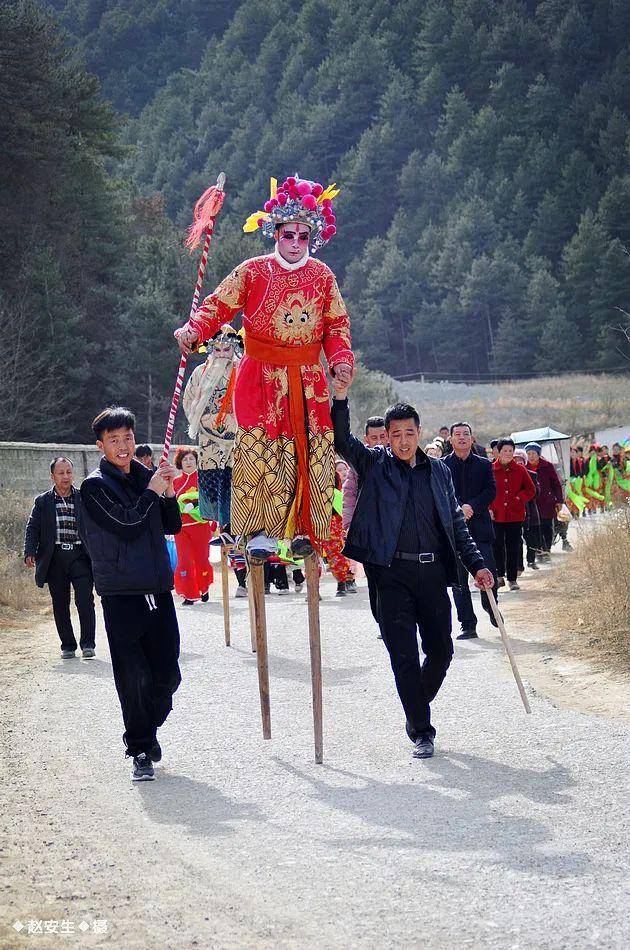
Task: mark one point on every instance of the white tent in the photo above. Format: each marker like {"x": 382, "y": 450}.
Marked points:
{"x": 552, "y": 443}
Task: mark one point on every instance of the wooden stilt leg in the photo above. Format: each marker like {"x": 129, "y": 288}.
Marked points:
{"x": 250, "y": 597}
{"x": 225, "y": 592}
{"x": 257, "y": 583}
{"x": 312, "y": 586}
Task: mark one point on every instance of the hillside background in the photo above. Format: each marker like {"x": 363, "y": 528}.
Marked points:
{"x": 482, "y": 151}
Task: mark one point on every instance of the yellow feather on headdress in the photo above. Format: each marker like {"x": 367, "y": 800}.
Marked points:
{"x": 252, "y": 222}
{"x": 331, "y": 192}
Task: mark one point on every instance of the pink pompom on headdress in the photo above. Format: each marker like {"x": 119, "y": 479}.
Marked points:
{"x": 298, "y": 199}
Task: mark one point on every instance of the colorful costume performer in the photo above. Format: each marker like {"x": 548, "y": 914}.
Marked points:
{"x": 194, "y": 573}
{"x": 283, "y": 476}
{"x": 210, "y": 413}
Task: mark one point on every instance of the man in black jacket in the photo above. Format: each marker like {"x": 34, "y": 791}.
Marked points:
{"x": 475, "y": 490}
{"x": 126, "y": 520}
{"x": 54, "y": 544}
{"x": 408, "y": 532}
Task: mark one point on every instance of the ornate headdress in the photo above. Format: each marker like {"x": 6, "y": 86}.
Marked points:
{"x": 297, "y": 199}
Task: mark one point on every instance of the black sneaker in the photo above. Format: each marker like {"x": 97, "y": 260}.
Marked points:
{"x": 155, "y": 752}
{"x": 68, "y": 654}
{"x": 567, "y": 546}
{"x": 468, "y": 635}
{"x": 341, "y": 589}
{"x": 187, "y": 602}
{"x": 205, "y": 597}
{"x": 423, "y": 747}
{"x": 351, "y": 587}
{"x": 301, "y": 547}
{"x": 142, "y": 768}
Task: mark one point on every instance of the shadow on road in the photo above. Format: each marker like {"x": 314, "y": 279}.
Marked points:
{"x": 198, "y": 808}
{"x": 456, "y": 803}
{"x": 296, "y": 671}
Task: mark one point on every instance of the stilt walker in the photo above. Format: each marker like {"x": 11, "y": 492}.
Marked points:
{"x": 283, "y": 475}
{"x": 208, "y": 405}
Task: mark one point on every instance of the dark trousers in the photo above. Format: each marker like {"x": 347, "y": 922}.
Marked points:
{"x": 372, "y": 590}
{"x": 72, "y": 568}
{"x": 144, "y": 647}
{"x": 507, "y": 539}
{"x": 533, "y": 542}
{"x": 546, "y": 532}
{"x": 462, "y": 596}
{"x": 561, "y": 528}
{"x": 411, "y": 597}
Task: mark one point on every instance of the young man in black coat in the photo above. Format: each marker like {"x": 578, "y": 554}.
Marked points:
{"x": 128, "y": 510}
{"x": 54, "y": 544}
{"x": 475, "y": 490}
{"x": 408, "y": 531}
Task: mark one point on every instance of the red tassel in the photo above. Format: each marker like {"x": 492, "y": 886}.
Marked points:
{"x": 206, "y": 210}
{"x": 227, "y": 401}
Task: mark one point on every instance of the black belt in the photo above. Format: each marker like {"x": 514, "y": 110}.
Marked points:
{"x": 428, "y": 558}
{"x": 67, "y": 545}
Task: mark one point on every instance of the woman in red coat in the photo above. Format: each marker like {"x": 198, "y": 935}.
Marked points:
{"x": 514, "y": 489}
{"x": 194, "y": 573}
{"x": 550, "y": 496}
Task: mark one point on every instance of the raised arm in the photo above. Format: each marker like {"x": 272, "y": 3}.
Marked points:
{"x": 127, "y": 523}
{"x": 337, "y": 343}
{"x": 358, "y": 455}
{"x": 218, "y": 308}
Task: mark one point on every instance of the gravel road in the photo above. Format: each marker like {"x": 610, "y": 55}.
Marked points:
{"x": 514, "y": 836}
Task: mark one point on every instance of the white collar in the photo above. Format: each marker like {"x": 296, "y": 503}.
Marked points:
{"x": 285, "y": 264}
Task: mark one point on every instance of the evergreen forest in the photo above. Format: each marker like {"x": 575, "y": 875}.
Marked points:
{"x": 481, "y": 149}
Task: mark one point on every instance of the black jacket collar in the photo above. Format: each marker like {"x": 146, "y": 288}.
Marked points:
{"x": 139, "y": 475}
{"x": 421, "y": 459}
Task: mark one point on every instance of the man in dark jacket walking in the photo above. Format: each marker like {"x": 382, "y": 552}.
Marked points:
{"x": 475, "y": 490}
{"x": 126, "y": 519}
{"x": 54, "y": 544}
{"x": 408, "y": 532}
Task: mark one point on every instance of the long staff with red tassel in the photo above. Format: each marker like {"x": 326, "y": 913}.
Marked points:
{"x": 204, "y": 216}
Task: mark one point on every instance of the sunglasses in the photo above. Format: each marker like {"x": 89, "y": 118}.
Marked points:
{"x": 291, "y": 235}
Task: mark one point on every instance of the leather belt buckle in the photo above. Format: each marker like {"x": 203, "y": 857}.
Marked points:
{"x": 426, "y": 558}
{"x": 66, "y": 546}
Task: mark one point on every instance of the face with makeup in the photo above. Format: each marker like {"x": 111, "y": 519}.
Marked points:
{"x": 292, "y": 241}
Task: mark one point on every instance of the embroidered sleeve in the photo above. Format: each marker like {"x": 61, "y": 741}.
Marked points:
{"x": 222, "y": 305}
{"x": 337, "y": 342}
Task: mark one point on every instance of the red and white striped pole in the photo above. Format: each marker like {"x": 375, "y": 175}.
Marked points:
{"x": 206, "y": 211}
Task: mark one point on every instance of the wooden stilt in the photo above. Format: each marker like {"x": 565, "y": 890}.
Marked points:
{"x": 225, "y": 593}
{"x": 257, "y": 583}
{"x": 312, "y": 586}
{"x": 508, "y": 648}
{"x": 250, "y": 598}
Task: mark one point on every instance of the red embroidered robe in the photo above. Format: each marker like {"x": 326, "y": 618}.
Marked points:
{"x": 288, "y": 316}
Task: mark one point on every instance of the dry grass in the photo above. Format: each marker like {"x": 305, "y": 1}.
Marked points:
{"x": 18, "y": 593}
{"x": 573, "y": 404}
{"x": 591, "y": 599}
